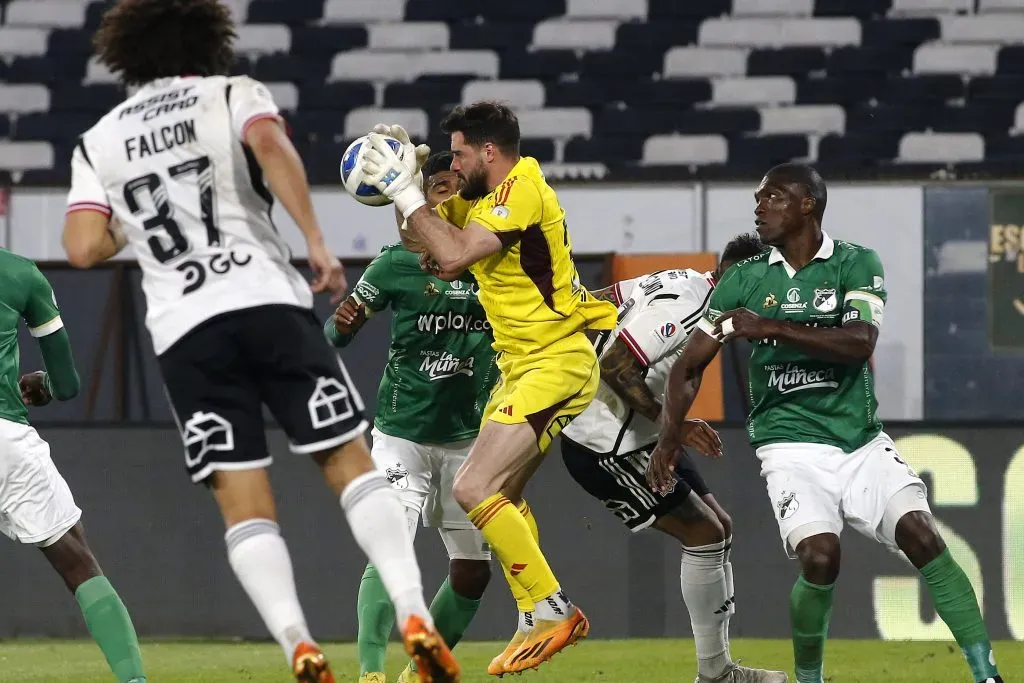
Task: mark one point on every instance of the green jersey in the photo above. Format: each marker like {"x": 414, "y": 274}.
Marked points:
{"x": 26, "y": 295}
{"x": 797, "y": 398}
{"x": 440, "y": 367}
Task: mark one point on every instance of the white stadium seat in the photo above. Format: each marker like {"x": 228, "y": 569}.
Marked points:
{"x": 794, "y": 32}
{"x": 997, "y": 6}
{"x": 24, "y": 156}
{"x": 367, "y": 65}
{"x": 695, "y": 61}
{"x": 413, "y": 35}
{"x": 662, "y": 150}
{"x": 817, "y": 119}
{"x": 239, "y": 9}
{"x": 96, "y": 73}
{"x": 754, "y": 90}
{"x": 355, "y": 11}
{"x": 1018, "y": 120}
{"x": 925, "y": 8}
{"x": 561, "y": 34}
{"x": 22, "y": 41}
{"x": 516, "y": 94}
{"x": 982, "y": 29}
{"x": 937, "y": 58}
{"x": 263, "y": 39}
{"x": 47, "y": 13}
{"x": 360, "y": 121}
{"x": 286, "y": 95}
{"x": 942, "y": 147}
{"x": 772, "y": 8}
{"x": 607, "y": 9}
{"x": 22, "y": 99}
{"x": 555, "y": 123}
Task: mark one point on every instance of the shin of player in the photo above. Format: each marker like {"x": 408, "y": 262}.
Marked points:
{"x": 507, "y": 227}
{"x": 230, "y": 317}
{"x": 40, "y": 508}
{"x": 824, "y": 456}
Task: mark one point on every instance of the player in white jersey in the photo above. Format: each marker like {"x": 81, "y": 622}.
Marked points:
{"x": 607, "y": 448}
{"x": 178, "y": 171}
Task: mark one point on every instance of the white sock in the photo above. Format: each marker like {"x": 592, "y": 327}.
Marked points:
{"x": 730, "y": 588}
{"x": 707, "y": 597}
{"x": 379, "y": 524}
{"x": 261, "y": 562}
{"x": 525, "y": 622}
{"x": 555, "y": 607}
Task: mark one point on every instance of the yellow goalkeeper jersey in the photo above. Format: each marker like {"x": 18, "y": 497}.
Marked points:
{"x": 530, "y": 289}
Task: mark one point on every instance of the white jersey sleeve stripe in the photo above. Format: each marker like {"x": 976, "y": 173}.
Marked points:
{"x": 253, "y": 119}
{"x": 637, "y": 350}
{"x": 46, "y": 328}
{"x": 89, "y": 206}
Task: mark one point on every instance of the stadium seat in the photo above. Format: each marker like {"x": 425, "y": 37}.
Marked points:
{"x": 986, "y": 30}
{"x": 24, "y": 98}
{"x": 46, "y": 13}
{"x": 772, "y": 8}
{"x": 941, "y": 147}
{"x": 423, "y": 35}
{"x": 777, "y": 32}
{"x": 661, "y": 150}
{"x": 931, "y": 7}
{"x": 360, "y": 121}
{"x": 999, "y": 6}
{"x": 753, "y": 90}
{"x": 562, "y": 34}
{"x": 22, "y": 41}
{"x": 692, "y": 60}
{"x": 354, "y": 11}
{"x": 607, "y": 9}
{"x": 938, "y": 58}
{"x": 518, "y": 94}
{"x": 815, "y": 119}
{"x": 22, "y": 156}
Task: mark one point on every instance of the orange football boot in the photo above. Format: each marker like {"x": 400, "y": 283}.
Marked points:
{"x": 310, "y": 665}
{"x": 434, "y": 660}
{"x": 546, "y": 639}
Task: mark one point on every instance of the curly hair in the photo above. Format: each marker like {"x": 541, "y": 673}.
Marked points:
{"x": 483, "y": 122}
{"x": 437, "y": 162}
{"x": 742, "y": 247}
{"x": 143, "y": 40}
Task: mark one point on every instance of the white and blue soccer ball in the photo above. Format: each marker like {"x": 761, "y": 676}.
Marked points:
{"x": 352, "y": 172}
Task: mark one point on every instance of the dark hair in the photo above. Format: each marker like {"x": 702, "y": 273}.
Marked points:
{"x": 808, "y": 176}
{"x": 742, "y": 247}
{"x": 143, "y": 40}
{"x": 437, "y": 162}
{"x": 483, "y": 122}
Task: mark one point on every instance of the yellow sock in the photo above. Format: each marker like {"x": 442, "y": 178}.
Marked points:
{"x": 509, "y": 535}
{"x": 524, "y": 603}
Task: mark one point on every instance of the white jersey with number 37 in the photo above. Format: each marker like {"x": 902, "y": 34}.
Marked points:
{"x": 657, "y": 313}
{"x": 170, "y": 166}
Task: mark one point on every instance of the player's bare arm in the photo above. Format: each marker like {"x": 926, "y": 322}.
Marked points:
{"x": 452, "y": 249}
{"x": 350, "y": 317}
{"x": 680, "y": 392}
{"x": 282, "y": 167}
{"x": 606, "y": 294}
{"x": 90, "y": 238}
{"x": 852, "y": 343}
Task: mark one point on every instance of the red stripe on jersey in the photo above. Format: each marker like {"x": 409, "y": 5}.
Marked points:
{"x": 712, "y": 281}
{"x": 504, "y": 192}
{"x": 88, "y": 206}
{"x": 617, "y": 293}
{"x": 258, "y": 117}
{"x": 625, "y": 336}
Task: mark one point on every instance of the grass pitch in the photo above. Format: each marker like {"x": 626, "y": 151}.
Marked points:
{"x": 602, "y": 661}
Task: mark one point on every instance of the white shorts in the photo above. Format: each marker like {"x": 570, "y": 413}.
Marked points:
{"x": 814, "y": 488}
{"x": 36, "y": 505}
{"x": 423, "y": 475}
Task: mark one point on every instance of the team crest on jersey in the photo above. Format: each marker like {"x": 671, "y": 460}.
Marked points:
{"x": 431, "y": 290}
{"x": 825, "y": 300}
{"x": 398, "y": 476}
{"x": 770, "y": 301}
{"x": 788, "y": 506}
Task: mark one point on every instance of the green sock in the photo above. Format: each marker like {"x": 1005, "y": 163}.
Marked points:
{"x": 810, "y": 607}
{"x": 957, "y": 605}
{"x": 452, "y": 614}
{"x": 111, "y": 627}
{"x": 376, "y": 619}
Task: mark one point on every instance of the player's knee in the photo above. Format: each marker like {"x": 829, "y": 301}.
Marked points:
{"x": 469, "y": 578}
{"x": 71, "y": 558}
{"x": 819, "y": 558}
{"x": 469, "y": 491}
{"x": 723, "y": 517}
{"x": 918, "y": 537}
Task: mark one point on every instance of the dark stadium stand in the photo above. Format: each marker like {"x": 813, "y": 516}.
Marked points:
{"x": 706, "y": 86}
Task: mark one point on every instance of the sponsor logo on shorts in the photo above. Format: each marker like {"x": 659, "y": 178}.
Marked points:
{"x": 398, "y": 476}
{"x": 791, "y": 377}
{"x": 442, "y": 365}
{"x": 441, "y": 323}
{"x": 330, "y": 403}
{"x": 788, "y": 506}
{"x": 205, "y": 432}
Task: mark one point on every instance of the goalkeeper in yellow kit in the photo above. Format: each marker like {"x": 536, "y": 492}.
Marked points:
{"x": 507, "y": 227}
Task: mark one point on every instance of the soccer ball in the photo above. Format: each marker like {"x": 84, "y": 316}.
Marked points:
{"x": 352, "y": 172}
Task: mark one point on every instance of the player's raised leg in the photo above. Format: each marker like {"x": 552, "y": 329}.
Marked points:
{"x": 524, "y": 604}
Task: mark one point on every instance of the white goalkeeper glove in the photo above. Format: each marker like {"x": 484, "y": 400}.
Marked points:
{"x": 392, "y": 176}
{"x": 414, "y": 156}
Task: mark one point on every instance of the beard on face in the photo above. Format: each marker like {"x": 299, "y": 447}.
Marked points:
{"x": 474, "y": 186}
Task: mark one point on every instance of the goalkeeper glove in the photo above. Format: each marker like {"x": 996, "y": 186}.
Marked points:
{"x": 392, "y": 176}
{"x": 414, "y": 156}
